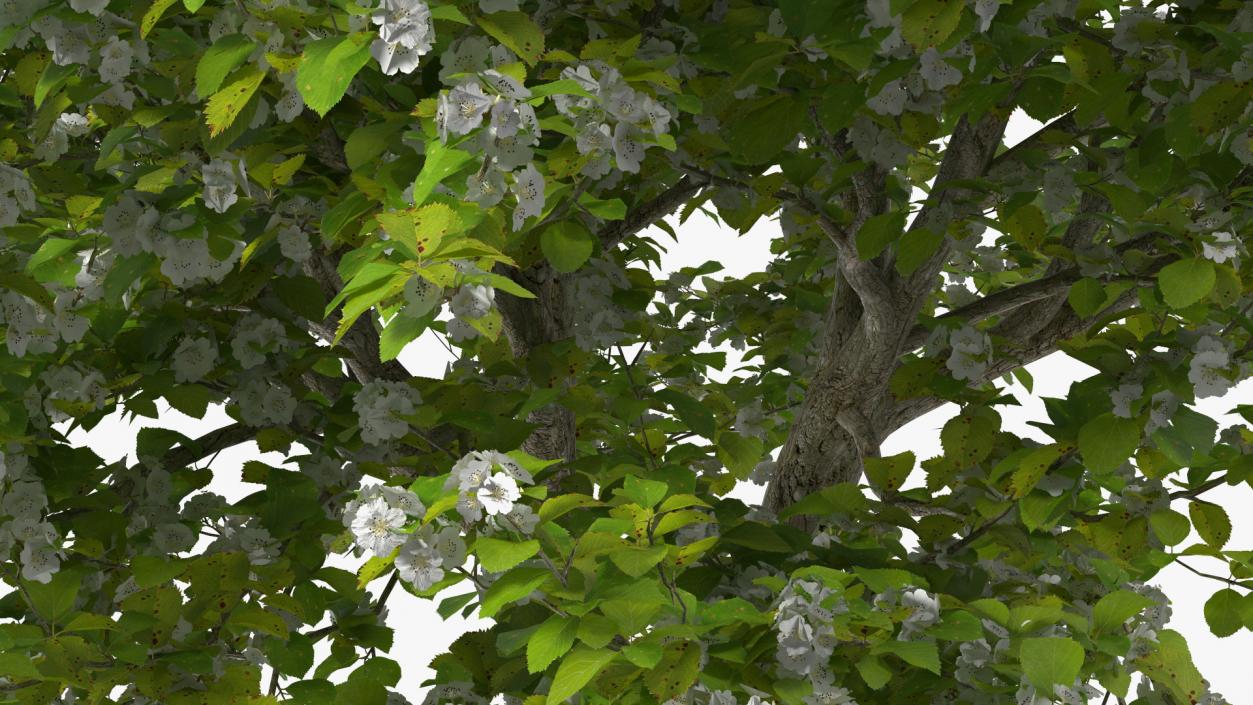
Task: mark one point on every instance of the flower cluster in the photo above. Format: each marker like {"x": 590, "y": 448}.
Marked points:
{"x": 24, "y": 503}
{"x": 1208, "y": 366}
{"x": 971, "y": 353}
{"x": 613, "y": 121}
{"x": 807, "y": 638}
{"x": 178, "y": 238}
{"x": 595, "y": 319}
{"x": 378, "y": 514}
{"x": 381, "y": 406}
{"x": 487, "y": 481}
{"x": 405, "y": 35}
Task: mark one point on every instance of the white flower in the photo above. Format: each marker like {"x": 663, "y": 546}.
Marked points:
{"x": 375, "y": 526}
{"x": 294, "y": 243}
{"x": 420, "y": 296}
{"x": 94, "y": 7}
{"x": 219, "y": 185}
{"x": 459, "y": 331}
{"x": 486, "y": 190}
{"x": 528, "y": 186}
{"x": 405, "y": 35}
{"x": 1223, "y": 248}
{"x": 130, "y": 225}
{"x": 39, "y": 562}
{"x": 115, "y": 60}
{"x": 498, "y": 494}
{"x": 254, "y": 337}
{"x": 450, "y": 546}
{"x": 419, "y": 563}
{"x": 24, "y": 498}
{"x": 193, "y": 359}
{"x": 986, "y": 10}
{"x": 470, "y": 472}
{"x": 173, "y": 538}
{"x": 380, "y": 405}
{"x": 1124, "y": 396}
{"x": 472, "y": 301}
{"x": 462, "y": 109}
{"x": 628, "y": 150}
{"x": 403, "y": 499}
{"x": 937, "y": 73}
{"x": 890, "y": 100}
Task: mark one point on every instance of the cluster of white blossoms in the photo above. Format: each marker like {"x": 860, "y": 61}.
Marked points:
{"x": 29, "y": 327}
{"x": 699, "y": 694}
{"x": 222, "y": 178}
{"x": 265, "y": 402}
{"x": 971, "y": 353}
{"x": 378, "y": 518}
{"x": 405, "y": 35}
{"x": 1207, "y": 370}
{"x": 194, "y": 358}
{"x": 487, "y": 481}
{"x": 512, "y": 130}
{"x": 57, "y": 142}
{"x": 16, "y": 195}
{"x": 595, "y": 319}
{"x": 876, "y": 144}
{"x": 73, "y": 387}
{"x": 614, "y": 122}
{"x": 254, "y": 338}
{"x": 381, "y": 406}
{"x": 24, "y": 503}
{"x": 177, "y": 238}
{"x": 807, "y": 638}
{"x": 237, "y": 533}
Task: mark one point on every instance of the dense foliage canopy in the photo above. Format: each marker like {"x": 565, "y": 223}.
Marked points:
{"x": 259, "y": 203}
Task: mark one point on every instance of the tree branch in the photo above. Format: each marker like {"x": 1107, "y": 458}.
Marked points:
{"x": 649, "y": 212}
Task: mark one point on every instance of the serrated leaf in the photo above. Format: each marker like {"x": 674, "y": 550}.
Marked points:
{"x": 1170, "y": 526}
{"x": 891, "y": 472}
{"x": 1086, "y": 296}
{"x": 219, "y": 60}
{"x": 225, "y": 105}
{"x": 1107, "y": 441}
{"x": 1032, "y": 468}
{"x": 928, "y": 23}
{"x": 498, "y": 556}
{"x": 1223, "y": 612}
{"x": 550, "y": 642}
{"x": 1187, "y": 281}
{"x": 878, "y": 232}
{"x": 1047, "y": 661}
{"x": 566, "y": 245}
{"x": 577, "y": 669}
{"x": 518, "y": 32}
{"x": 677, "y": 671}
{"x": 638, "y": 560}
{"x": 1115, "y": 608}
{"x": 327, "y": 67}
{"x": 1027, "y": 226}
{"x": 152, "y": 16}
{"x": 511, "y": 587}
{"x": 873, "y": 671}
{"x": 923, "y": 654}
{"x": 1211, "y": 522}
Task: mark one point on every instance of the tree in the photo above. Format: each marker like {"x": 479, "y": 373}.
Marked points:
{"x": 259, "y": 203}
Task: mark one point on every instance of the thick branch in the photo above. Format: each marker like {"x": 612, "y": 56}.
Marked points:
{"x": 649, "y": 212}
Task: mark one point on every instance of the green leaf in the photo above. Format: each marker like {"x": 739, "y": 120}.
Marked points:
{"x": 150, "y": 571}
{"x": 927, "y": 23}
{"x": 677, "y": 671}
{"x": 441, "y": 162}
{"x": 1112, "y": 610}
{"x": 1107, "y": 441}
{"x": 873, "y": 671}
{"x": 255, "y": 618}
{"x": 399, "y": 332}
{"x": 219, "y": 60}
{"x": 1032, "y": 468}
{"x": 152, "y": 16}
{"x": 923, "y": 654}
{"x": 1027, "y": 226}
{"x": 1223, "y": 612}
{"x": 498, "y": 556}
{"x": 916, "y": 247}
{"x": 54, "y": 599}
{"x": 577, "y": 669}
{"x": 328, "y": 65}
{"x": 1187, "y": 281}
{"x": 646, "y": 493}
{"x": 878, "y": 232}
{"x": 694, "y": 414}
{"x": 550, "y": 642}
{"x": 967, "y": 438}
{"x": 225, "y": 105}
{"x": 518, "y": 32}
{"x": 740, "y": 454}
{"x": 1051, "y": 660}
{"x": 511, "y": 587}
{"x": 638, "y": 560}
{"x": 1170, "y": 665}
{"x": 1211, "y": 523}
{"x": 891, "y": 472}
{"x": 567, "y": 245}
{"x": 1170, "y": 526}
{"x": 193, "y": 5}
{"x": 1086, "y": 296}
{"x": 764, "y": 128}
{"x": 372, "y": 569}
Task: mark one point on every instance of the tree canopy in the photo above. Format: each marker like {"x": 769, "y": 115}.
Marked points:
{"x": 260, "y": 203}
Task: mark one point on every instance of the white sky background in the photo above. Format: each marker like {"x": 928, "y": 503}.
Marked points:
{"x": 421, "y": 634}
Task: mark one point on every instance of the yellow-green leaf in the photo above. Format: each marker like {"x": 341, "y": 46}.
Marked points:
{"x": 226, "y": 104}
